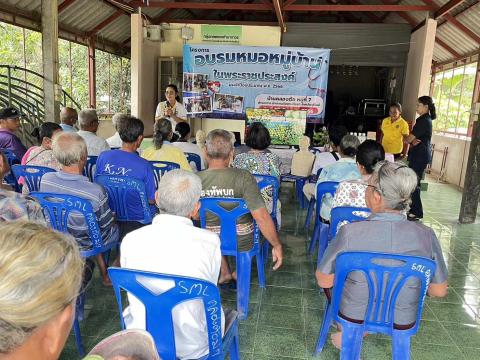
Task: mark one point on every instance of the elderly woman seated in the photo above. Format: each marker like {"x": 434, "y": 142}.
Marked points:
{"x": 387, "y": 230}
{"x": 41, "y": 272}
{"x": 342, "y": 170}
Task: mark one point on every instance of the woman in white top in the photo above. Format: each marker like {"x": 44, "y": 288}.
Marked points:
{"x": 172, "y": 108}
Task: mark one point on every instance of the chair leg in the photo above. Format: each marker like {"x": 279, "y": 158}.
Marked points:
{"x": 323, "y": 242}
{"x": 315, "y": 235}
{"x": 322, "y": 336}
{"x": 352, "y": 339}
{"x": 265, "y": 251}
{"x": 400, "y": 345}
{"x": 78, "y": 337}
{"x": 244, "y": 271}
{"x": 234, "y": 349}
{"x": 261, "y": 268}
{"x": 308, "y": 219}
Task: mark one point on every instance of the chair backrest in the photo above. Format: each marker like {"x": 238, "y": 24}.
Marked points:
{"x": 89, "y": 169}
{"x": 159, "y": 306}
{"x": 386, "y": 274}
{"x": 32, "y": 175}
{"x": 57, "y": 208}
{"x": 269, "y": 181}
{"x": 119, "y": 188}
{"x": 195, "y": 158}
{"x": 11, "y": 160}
{"x": 160, "y": 168}
{"x": 323, "y": 188}
{"x": 227, "y": 218}
{"x": 345, "y": 213}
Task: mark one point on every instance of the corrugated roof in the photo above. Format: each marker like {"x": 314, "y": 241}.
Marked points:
{"x": 82, "y": 16}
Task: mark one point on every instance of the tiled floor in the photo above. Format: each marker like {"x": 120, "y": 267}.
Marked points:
{"x": 285, "y": 318}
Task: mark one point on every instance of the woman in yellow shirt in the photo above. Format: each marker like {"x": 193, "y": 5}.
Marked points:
{"x": 395, "y": 129}
{"x": 161, "y": 149}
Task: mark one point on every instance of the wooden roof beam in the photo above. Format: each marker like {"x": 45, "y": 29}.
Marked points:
{"x": 449, "y": 6}
{"x": 107, "y": 21}
{"x": 279, "y": 14}
{"x": 64, "y": 5}
{"x": 448, "y": 48}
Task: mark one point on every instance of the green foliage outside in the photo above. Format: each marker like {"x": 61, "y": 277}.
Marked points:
{"x": 453, "y": 92}
{"x": 23, "y": 48}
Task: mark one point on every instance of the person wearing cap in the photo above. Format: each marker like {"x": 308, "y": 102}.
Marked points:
{"x": 9, "y": 123}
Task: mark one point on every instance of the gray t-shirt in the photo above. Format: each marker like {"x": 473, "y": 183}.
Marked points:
{"x": 233, "y": 183}
{"x": 388, "y": 233}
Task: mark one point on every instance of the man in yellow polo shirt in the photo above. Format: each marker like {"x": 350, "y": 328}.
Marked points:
{"x": 394, "y": 129}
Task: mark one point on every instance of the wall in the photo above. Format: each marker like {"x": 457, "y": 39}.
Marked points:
{"x": 456, "y": 165}
{"x": 418, "y": 67}
{"x": 144, "y": 63}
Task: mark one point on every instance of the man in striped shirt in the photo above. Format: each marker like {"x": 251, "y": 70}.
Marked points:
{"x": 70, "y": 151}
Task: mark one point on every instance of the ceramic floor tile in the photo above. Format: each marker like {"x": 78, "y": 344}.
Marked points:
{"x": 435, "y": 352}
{"x": 446, "y": 312}
{"x": 432, "y": 332}
{"x": 464, "y": 335}
{"x": 275, "y": 295}
{"x": 274, "y": 341}
{"x": 282, "y": 316}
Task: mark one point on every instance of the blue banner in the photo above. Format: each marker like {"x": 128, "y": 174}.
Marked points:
{"x": 223, "y": 81}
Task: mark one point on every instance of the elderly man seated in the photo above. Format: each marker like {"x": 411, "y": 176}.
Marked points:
{"x": 236, "y": 183}
{"x": 172, "y": 245}
{"x": 88, "y": 123}
{"x": 387, "y": 230}
{"x": 118, "y": 120}
{"x": 70, "y": 151}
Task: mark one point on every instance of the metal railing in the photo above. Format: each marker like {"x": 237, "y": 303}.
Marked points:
{"x": 23, "y": 88}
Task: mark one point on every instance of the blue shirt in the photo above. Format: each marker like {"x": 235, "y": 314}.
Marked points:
{"x": 10, "y": 141}
{"x": 79, "y": 185}
{"x": 68, "y": 128}
{"x": 123, "y": 163}
{"x": 342, "y": 170}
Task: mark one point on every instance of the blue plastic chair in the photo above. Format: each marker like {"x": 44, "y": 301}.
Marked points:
{"x": 89, "y": 169}
{"x": 160, "y": 168}
{"x": 118, "y": 189}
{"x": 57, "y": 208}
{"x": 345, "y": 213}
{"x": 381, "y": 279}
{"x": 159, "y": 320}
{"x": 196, "y": 159}
{"x": 9, "y": 177}
{"x": 31, "y": 174}
{"x": 299, "y": 184}
{"x": 320, "y": 230}
{"x": 228, "y": 245}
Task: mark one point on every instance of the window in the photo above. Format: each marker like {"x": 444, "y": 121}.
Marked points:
{"x": 452, "y": 94}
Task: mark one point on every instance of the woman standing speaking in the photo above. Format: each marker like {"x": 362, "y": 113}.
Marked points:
{"x": 420, "y": 154}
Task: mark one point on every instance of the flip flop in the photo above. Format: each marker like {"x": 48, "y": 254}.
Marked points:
{"x": 229, "y": 285}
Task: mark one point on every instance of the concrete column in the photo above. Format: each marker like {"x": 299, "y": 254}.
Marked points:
{"x": 419, "y": 66}
{"x": 144, "y": 58}
{"x": 92, "y": 77}
{"x": 50, "y": 60}
{"x": 471, "y": 189}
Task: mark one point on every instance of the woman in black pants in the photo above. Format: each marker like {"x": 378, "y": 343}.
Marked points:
{"x": 420, "y": 154}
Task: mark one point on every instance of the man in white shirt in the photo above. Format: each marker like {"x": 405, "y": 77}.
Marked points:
{"x": 117, "y": 120}
{"x": 68, "y": 119}
{"x": 172, "y": 245}
{"x": 183, "y": 130}
{"x": 88, "y": 123}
